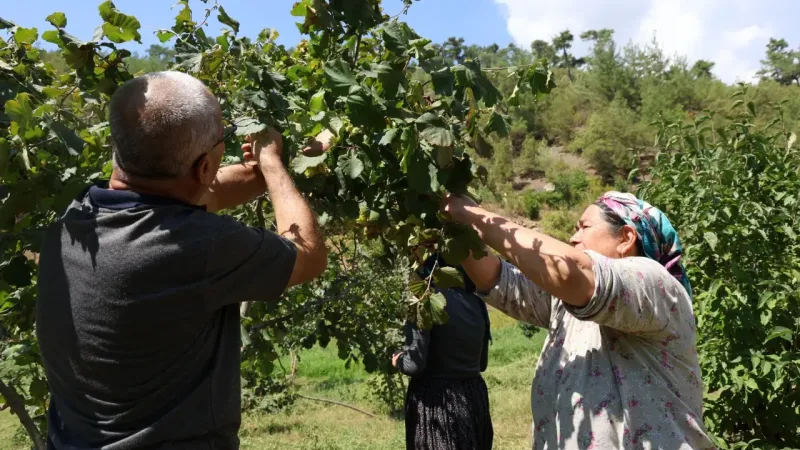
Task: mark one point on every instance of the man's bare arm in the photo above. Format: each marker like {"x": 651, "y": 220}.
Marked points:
{"x": 295, "y": 220}
{"x": 235, "y": 185}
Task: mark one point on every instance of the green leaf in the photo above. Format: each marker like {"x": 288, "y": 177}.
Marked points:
{"x": 299, "y": 9}
{"x": 497, "y": 123}
{"x": 789, "y": 231}
{"x": 389, "y": 136}
{"x": 69, "y": 138}
{"x": 119, "y": 27}
{"x": 752, "y": 107}
{"x": 247, "y": 126}
{"x": 20, "y": 110}
{"x": 340, "y": 78}
{"x": 351, "y": 165}
{"x": 53, "y": 37}
{"x": 418, "y": 287}
{"x": 541, "y": 80}
{"x": 302, "y": 162}
{"x": 317, "y": 103}
{"x": 164, "y": 35}
{"x": 224, "y": 18}
{"x": 25, "y": 35}
{"x": 438, "y": 313}
{"x": 448, "y": 278}
{"x": 443, "y": 81}
{"x": 440, "y": 136}
{"x": 57, "y": 19}
{"x": 422, "y": 174}
{"x": 751, "y": 383}
{"x": 711, "y": 239}
{"x": 482, "y": 146}
{"x": 395, "y": 38}
{"x": 443, "y": 156}
{"x": 779, "y": 333}
{"x": 364, "y": 111}
{"x": 5, "y": 24}
{"x": 393, "y": 79}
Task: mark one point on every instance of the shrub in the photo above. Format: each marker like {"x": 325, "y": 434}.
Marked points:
{"x": 570, "y": 185}
{"x": 560, "y": 224}
{"x": 532, "y": 204}
{"x": 733, "y": 197}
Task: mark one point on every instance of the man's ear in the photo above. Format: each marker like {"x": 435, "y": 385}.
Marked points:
{"x": 628, "y": 237}
{"x": 205, "y": 171}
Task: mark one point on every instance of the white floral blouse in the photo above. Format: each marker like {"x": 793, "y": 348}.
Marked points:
{"x": 621, "y": 372}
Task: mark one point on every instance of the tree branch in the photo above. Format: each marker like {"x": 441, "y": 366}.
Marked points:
{"x": 336, "y": 403}
{"x": 17, "y": 406}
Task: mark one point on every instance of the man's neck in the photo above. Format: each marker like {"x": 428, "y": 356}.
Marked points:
{"x": 176, "y": 189}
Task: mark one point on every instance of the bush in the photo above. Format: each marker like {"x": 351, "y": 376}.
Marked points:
{"x": 560, "y": 224}
{"x": 734, "y": 200}
{"x": 570, "y": 185}
{"x": 532, "y": 204}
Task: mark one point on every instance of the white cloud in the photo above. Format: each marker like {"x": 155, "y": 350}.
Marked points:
{"x": 732, "y": 33}
{"x": 676, "y": 25}
{"x": 746, "y": 36}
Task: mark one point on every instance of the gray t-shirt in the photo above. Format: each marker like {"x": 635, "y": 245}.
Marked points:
{"x": 138, "y": 320}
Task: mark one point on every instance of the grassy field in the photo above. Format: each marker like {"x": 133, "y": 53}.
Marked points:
{"x": 313, "y": 425}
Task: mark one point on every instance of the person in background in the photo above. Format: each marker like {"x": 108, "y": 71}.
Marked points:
{"x": 447, "y": 403}
{"x": 619, "y": 367}
{"x": 137, "y": 315}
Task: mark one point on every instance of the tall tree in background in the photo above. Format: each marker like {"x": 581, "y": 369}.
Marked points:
{"x": 604, "y": 65}
{"x": 702, "y": 69}
{"x": 543, "y": 49}
{"x": 782, "y": 63}
{"x": 453, "y": 49}
{"x": 563, "y": 43}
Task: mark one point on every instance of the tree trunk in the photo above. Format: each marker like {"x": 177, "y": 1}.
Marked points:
{"x": 568, "y": 63}
{"x": 17, "y": 406}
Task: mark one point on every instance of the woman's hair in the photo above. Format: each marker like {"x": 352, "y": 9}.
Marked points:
{"x": 616, "y": 223}
{"x": 611, "y": 218}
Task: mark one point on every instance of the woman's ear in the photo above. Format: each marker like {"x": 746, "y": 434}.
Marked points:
{"x": 627, "y": 246}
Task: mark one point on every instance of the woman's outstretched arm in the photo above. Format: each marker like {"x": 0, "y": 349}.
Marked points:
{"x": 556, "y": 267}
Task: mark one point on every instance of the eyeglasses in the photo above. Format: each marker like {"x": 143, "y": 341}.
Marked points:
{"x": 227, "y": 133}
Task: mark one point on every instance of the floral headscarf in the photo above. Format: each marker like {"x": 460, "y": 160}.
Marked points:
{"x": 659, "y": 239}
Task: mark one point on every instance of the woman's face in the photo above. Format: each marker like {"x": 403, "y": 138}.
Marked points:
{"x": 592, "y": 232}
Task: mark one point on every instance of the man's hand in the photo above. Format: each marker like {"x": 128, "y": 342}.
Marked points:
{"x": 395, "y": 357}
{"x": 263, "y": 147}
{"x": 320, "y": 144}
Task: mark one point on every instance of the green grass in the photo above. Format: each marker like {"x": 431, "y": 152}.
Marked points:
{"x": 320, "y": 426}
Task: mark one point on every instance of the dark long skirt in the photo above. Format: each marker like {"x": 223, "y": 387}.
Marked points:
{"x": 448, "y": 414}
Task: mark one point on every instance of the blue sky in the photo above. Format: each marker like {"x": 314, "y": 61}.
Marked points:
{"x": 732, "y": 33}
{"x": 435, "y": 19}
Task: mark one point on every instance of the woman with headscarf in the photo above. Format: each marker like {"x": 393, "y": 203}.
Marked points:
{"x": 447, "y": 403}
{"x": 619, "y": 367}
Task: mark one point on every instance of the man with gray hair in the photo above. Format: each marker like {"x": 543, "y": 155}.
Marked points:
{"x": 140, "y": 283}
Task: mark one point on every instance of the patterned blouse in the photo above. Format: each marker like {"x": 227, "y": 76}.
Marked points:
{"x": 621, "y": 372}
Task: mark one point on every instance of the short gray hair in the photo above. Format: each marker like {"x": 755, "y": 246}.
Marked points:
{"x": 161, "y": 123}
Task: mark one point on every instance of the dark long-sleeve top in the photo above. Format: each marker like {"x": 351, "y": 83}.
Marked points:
{"x": 458, "y": 348}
